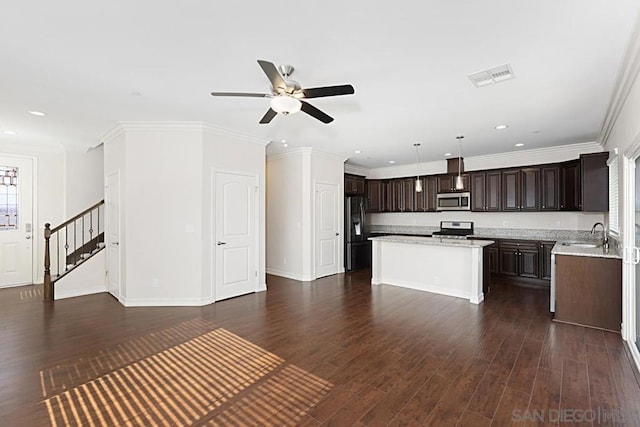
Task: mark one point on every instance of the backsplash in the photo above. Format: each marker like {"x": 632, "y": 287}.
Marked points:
{"x": 518, "y": 220}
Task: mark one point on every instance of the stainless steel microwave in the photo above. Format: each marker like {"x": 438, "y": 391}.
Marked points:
{"x": 454, "y": 201}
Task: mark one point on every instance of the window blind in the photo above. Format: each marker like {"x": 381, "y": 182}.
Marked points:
{"x": 614, "y": 217}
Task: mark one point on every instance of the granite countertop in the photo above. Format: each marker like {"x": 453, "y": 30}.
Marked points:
{"x": 598, "y": 252}
{"x": 490, "y": 233}
{"x": 433, "y": 241}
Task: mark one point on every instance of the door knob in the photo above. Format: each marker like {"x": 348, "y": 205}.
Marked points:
{"x": 115, "y": 243}
{"x": 27, "y": 237}
{"x": 337, "y": 234}
{"x": 220, "y": 242}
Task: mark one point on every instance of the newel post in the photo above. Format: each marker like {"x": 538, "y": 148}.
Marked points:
{"x": 48, "y": 286}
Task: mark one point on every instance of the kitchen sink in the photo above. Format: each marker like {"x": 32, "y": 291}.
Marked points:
{"x": 580, "y": 244}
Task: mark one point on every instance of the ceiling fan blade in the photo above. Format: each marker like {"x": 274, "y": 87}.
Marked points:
{"x": 272, "y": 73}
{"x": 319, "y": 92}
{"x": 314, "y": 112}
{"x": 243, "y": 94}
{"x": 270, "y": 114}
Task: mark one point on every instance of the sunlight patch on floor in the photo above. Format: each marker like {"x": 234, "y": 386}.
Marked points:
{"x": 216, "y": 376}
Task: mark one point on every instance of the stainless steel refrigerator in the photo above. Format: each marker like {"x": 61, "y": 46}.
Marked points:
{"x": 357, "y": 252}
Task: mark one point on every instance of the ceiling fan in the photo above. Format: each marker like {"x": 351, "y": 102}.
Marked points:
{"x": 287, "y": 96}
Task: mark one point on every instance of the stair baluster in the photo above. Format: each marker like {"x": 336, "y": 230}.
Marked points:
{"x": 78, "y": 254}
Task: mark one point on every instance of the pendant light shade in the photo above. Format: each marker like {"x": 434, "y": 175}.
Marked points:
{"x": 459, "y": 182}
{"x": 418, "y": 185}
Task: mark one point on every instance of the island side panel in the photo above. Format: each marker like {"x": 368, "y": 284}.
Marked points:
{"x": 376, "y": 264}
{"x": 448, "y": 270}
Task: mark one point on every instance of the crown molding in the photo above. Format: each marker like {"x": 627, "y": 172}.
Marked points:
{"x": 145, "y": 126}
{"x": 627, "y": 77}
{"x": 306, "y": 150}
{"x": 355, "y": 170}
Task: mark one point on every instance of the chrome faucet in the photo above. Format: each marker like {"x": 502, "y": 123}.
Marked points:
{"x": 605, "y": 237}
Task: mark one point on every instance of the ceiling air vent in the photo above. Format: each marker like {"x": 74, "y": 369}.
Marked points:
{"x": 494, "y": 75}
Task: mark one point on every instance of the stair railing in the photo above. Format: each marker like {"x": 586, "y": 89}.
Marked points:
{"x": 70, "y": 244}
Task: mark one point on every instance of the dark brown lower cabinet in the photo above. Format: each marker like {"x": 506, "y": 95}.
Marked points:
{"x": 589, "y": 291}
{"x": 519, "y": 258}
{"x": 494, "y": 254}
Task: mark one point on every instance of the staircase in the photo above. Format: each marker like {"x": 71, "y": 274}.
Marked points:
{"x": 70, "y": 244}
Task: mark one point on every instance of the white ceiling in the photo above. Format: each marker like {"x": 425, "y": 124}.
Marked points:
{"x": 89, "y": 65}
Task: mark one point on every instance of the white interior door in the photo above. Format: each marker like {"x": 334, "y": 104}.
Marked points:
{"x": 16, "y": 221}
{"x": 327, "y": 229}
{"x": 113, "y": 233}
{"x": 235, "y": 235}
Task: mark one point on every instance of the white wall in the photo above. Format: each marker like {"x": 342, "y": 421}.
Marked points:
{"x": 291, "y": 179}
{"x": 84, "y": 179}
{"x": 163, "y": 192}
{"x": 524, "y": 220}
{"x": 284, "y": 215}
{"x": 167, "y": 207}
{"x": 87, "y": 278}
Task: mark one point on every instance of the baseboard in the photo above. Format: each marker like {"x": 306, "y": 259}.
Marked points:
{"x": 164, "y": 302}
{"x": 635, "y": 356}
{"x": 262, "y": 287}
{"x": 285, "y": 274}
{"x": 62, "y": 294}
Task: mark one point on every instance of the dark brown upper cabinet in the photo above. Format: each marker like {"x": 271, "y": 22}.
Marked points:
{"x": 374, "y": 195}
{"x": 447, "y": 183}
{"x": 408, "y": 195}
{"x": 595, "y": 182}
{"x": 354, "y": 185}
{"x": 486, "y": 191}
{"x": 570, "y": 187}
{"x": 521, "y": 189}
{"x": 550, "y": 188}
{"x": 426, "y": 200}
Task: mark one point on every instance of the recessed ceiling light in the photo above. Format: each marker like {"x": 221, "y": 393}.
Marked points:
{"x": 37, "y": 113}
{"x": 447, "y": 154}
{"x": 392, "y": 161}
{"x": 520, "y": 144}
{"x": 9, "y": 132}
{"x": 500, "y": 127}
{"x": 357, "y": 151}
{"x": 285, "y": 145}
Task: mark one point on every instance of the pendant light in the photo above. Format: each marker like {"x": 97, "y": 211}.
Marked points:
{"x": 418, "y": 181}
{"x": 459, "y": 183}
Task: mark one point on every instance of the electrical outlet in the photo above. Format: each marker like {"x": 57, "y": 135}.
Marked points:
{"x": 558, "y": 224}
{"x": 285, "y": 260}
{"x": 154, "y": 283}
{"x": 505, "y": 223}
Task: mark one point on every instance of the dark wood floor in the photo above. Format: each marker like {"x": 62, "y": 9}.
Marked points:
{"x": 333, "y": 352}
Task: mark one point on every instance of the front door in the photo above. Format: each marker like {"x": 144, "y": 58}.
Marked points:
{"x": 113, "y": 233}
{"x": 327, "y": 223}
{"x": 16, "y": 221}
{"x": 235, "y": 235}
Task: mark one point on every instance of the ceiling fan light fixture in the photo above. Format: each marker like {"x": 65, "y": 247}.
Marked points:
{"x": 285, "y": 104}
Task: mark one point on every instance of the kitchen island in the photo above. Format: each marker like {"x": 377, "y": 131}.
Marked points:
{"x": 444, "y": 266}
